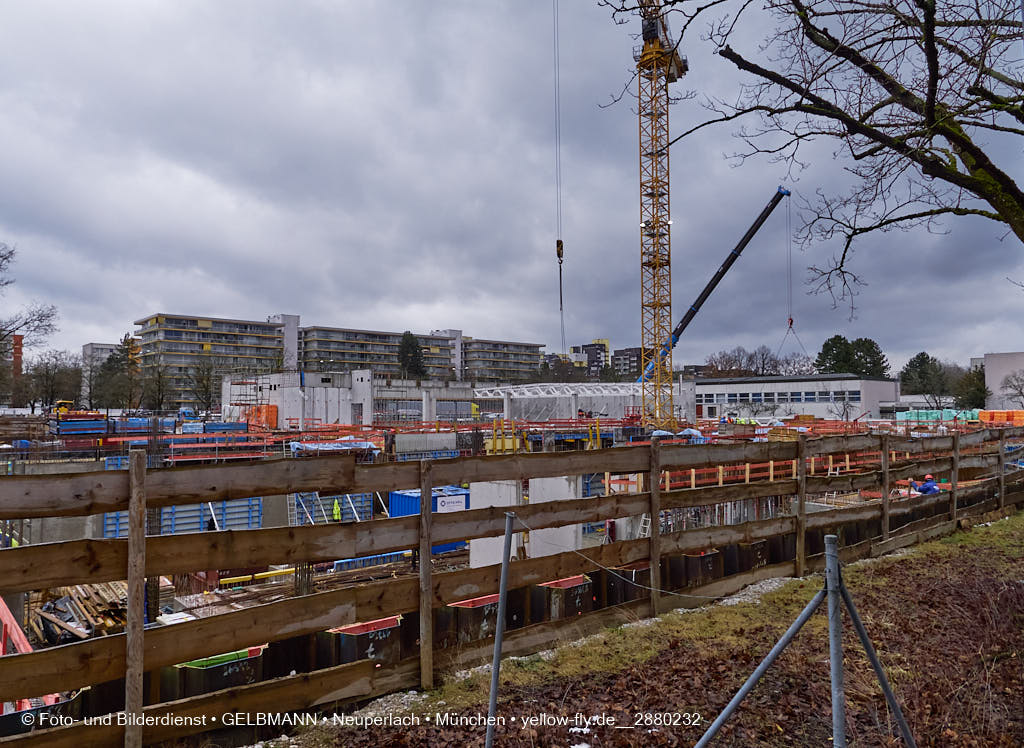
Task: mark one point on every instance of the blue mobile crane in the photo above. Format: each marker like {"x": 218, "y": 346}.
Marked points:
{"x": 669, "y": 344}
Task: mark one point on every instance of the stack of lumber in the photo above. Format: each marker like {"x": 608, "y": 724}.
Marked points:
{"x": 22, "y": 427}
{"x": 82, "y": 611}
{"x": 782, "y": 434}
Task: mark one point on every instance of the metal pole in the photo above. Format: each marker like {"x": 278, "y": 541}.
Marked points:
{"x": 765, "y": 664}
{"x": 835, "y": 641}
{"x": 499, "y": 630}
{"x": 882, "y": 680}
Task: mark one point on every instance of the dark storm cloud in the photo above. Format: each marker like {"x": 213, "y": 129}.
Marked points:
{"x": 391, "y": 166}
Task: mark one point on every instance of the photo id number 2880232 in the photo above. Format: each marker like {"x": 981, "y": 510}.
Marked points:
{"x": 666, "y": 719}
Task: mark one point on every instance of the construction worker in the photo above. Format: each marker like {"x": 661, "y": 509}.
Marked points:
{"x": 336, "y": 513}
{"x": 928, "y": 487}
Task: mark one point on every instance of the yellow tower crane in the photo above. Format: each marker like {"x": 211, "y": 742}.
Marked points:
{"x": 658, "y": 64}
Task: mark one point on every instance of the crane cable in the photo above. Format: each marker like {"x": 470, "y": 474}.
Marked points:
{"x": 789, "y": 282}
{"x": 558, "y": 170}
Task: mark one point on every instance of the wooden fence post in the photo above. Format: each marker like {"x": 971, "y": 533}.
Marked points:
{"x": 426, "y": 593}
{"x": 801, "y": 505}
{"x": 885, "y": 487}
{"x": 135, "y": 652}
{"x": 1002, "y": 469}
{"x": 954, "y": 476}
{"x": 655, "y": 514}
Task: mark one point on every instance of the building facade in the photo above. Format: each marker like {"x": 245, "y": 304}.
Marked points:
{"x": 347, "y": 349}
{"x": 499, "y": 360}
{"x": 998, "y": 368}
{"x": 93, "y": 357}
{"x": 182, "y": 344}
{"x": 843, "y": 397}
{"x": 597, "y": 355}
{"x": 626, "y": 361}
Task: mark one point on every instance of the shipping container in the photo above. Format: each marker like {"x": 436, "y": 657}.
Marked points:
{"x": 445, "y": 499}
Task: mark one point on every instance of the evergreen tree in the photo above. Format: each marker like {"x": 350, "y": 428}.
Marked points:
{"x": 925, "y": 375}
{"x": 970, "y": 391}
{"x": 867, "y": 358}
{"x": 835, "y": 357}
{"x": 862, "y": 357}
{"x": 410, "y": 357}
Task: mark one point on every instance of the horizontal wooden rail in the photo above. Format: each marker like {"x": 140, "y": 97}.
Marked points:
{"x": 81, "y": 494}
{"x": 90, "y": 561}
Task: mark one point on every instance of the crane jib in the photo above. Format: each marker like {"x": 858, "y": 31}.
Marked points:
{"x": 731, "y": 258}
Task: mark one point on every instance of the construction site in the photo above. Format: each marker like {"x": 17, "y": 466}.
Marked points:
{"x": 160, "y": 573}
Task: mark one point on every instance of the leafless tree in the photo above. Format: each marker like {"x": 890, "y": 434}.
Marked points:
{"x": 202, "y": 383}
{"x": 56, "y": 375}
{"x": 35, "y": 321}
{"x": 796, "y": 365}
{"x": 919, "y": 98}
{"x": 156, "y": 386}
{"x": 1013, "y": 387}
{"x": 92, "y": 366}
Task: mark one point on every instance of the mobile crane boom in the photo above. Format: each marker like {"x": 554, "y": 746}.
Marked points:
{"x": 669, "y": 344}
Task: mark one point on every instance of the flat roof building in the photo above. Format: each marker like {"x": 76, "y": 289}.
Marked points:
{"x": 347, "y": 349}
{"x": 182, "y": 344}
{"x": 843, "y": 397}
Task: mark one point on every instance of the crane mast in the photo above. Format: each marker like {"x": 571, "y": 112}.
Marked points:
{"x": 658, "y": 64}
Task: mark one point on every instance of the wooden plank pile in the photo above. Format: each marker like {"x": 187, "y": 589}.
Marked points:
{"x": 82, "y": 611}
{"x": 22, "y": 427}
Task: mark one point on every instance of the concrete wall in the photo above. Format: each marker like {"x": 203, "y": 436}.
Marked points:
{"x": 275, "y": 510}
{"x": 425, "y": 442}
{"x": 998, "y": 366}
{"x": 552, "y": 540}
{"x": 54, "y": 529}
{"x": 487, "y": 551}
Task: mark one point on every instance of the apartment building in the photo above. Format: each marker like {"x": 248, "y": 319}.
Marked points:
{"x": 597, "y": 355}
{"x": 347, "y": 349}
{"x": 499, "y": 360}
{"x": 181, "y": 344}
{"x": 626, "y": 361}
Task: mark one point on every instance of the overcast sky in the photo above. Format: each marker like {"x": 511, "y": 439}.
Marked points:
{"x": 390, "y": 165}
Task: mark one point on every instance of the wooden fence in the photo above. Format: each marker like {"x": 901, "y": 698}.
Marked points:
{"x": 891, "y": 524}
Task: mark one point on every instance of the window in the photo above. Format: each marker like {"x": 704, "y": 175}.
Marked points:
{"x": 732, "y": 398}
{"x": 755, "y": 397}
{"x": 853, "y": 396}
{"x": 839, "y": 396}
{"x": 769, "y": 397}
{"x": 744, "y": 397}
{"x": 796, "y": 397}
{"x": 325, "y": 380}
{"x": 782, "y": 397}
{"x": 809, "y": 397}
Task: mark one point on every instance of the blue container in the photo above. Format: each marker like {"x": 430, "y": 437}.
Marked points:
{"x": 219, "y": 426}
{"x": 448, "y": 498}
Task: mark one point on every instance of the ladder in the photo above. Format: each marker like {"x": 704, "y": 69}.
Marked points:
{"x": 645, "y": 527}
{"x": 832, "y": 471}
